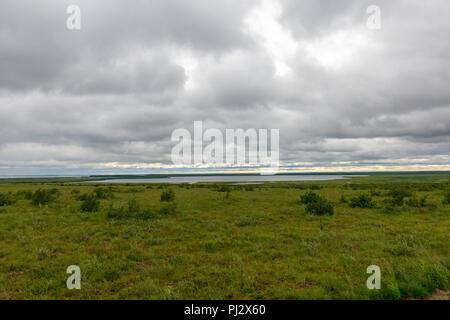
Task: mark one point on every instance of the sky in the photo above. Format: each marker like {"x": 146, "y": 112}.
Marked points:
{"x": 107, "y": 97}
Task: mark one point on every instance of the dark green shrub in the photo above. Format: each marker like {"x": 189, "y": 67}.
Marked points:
{"x": 117, "y": 213}
{"x": 167, "y": 195}
{"x": 41, "y": 197}
{"x": 320, "y": 207}
{"x": 309, "y": 197}
{"x": 343, "y": 199}
{"x": 446, "y": 198}
{"x": 388, "y": 208}
{"x": 82, "y": 197}
{"x": 375, "y": 193}
{"x": 423, "y": 201}
{"x": 221, "y": 188}
{"x": 417, "y": 203}
{"x": 390, "y": 291}
{"x": 90, "y": 204}
{"x": 24, "y": 194}
{"x": 6, "y": 199}
{"x": 437, "y": 277}
{"x": 362, "y": 201}
{"x": 132, "y": 210}
{"x": 398, "y": 196}
{"x": 103, "y": 193}
{"x": 168, "y": 209}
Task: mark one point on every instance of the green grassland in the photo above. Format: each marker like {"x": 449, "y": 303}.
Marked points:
{"x": 218, "y": 241}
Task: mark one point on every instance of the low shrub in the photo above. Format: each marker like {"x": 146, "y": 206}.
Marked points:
{"x": 90, "y": 204}
{"x": 103, "y": 193}
{"x": 362, "y": 201}
{"x": 388, "y": 208}
{"x": 320, "y": 207}
{"x": 6, "y": 199}
{"x": 309, "y": 197}
{"x": 316, "y": 205}
{"x": 132, "y": 210}
{"x": 24, "y": 194}
{"x": 446, "y": 198}
{"x": 221, "y": 188}
{"x": 167, "y": 195}
{"x": 398, "y": 196}
{"x": 417, "y": 203}
{"x": 168, "y": 209}
{"x": 375, "y": 193}
{"x": 42, "y": 197}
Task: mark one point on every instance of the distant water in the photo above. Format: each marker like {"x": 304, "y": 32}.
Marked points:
{"x": 37, "y": 176}
{"x": 230, "y": 178}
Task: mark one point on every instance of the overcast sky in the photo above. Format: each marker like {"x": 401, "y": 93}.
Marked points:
{"x": 106, "y": 98}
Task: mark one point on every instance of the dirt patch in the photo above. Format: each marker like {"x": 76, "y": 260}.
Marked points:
{"x": 440, "y": 295}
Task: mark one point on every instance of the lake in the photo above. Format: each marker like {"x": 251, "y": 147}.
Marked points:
{"x": 231, "y": 178}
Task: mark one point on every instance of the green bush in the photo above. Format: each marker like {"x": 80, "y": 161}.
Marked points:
{"x": 398, "y": 196}
{"x": 437, "y": 277}
{"x": 417, "y": 203}
{"x": 375, "y": 193}
{"x": 90, "y": 204}
{"x": 103, "y": 193}
{"x": 446, "y": 198}
{"x": 168, "y": 209}
{"x": 6, "y": 199}
{"x": 320, "y": 207}
{"x": 362, "y": 201}
{"x": 315, "y": 204}
{"x": 388, "y": 208}
{"x": 41, "y": 197}
{"x": 167, "y": 195}
{"x": 117, "y": 213}
{"x": 24, "y": 194}
{"x": 82, "y": 197}
{"x": 132, "y": 210}
{"x": 221, "y": 188}
{"x": 309, "y": 197}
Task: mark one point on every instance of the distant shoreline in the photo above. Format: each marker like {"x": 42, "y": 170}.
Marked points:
{"x": 167, "y": 175}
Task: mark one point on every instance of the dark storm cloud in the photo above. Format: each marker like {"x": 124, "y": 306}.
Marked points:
{"x": 114, "y": 91}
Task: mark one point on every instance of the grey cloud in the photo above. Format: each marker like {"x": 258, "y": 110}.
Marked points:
{"x": 115, "y": 91}
{"x": 37, "y": 49}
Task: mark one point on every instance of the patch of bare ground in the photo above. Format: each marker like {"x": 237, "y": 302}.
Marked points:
{"x": 440, "y": 295}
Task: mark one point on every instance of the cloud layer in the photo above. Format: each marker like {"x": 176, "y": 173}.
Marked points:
{"x": 107, "y": 97}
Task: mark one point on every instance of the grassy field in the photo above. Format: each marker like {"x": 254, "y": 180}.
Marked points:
{"x": 215, "y": 241}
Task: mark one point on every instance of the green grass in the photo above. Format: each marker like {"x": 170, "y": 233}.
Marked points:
{"x": 248, "y": 243}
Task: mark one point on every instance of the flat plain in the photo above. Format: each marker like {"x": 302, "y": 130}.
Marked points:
{"x": 221, "y": 241}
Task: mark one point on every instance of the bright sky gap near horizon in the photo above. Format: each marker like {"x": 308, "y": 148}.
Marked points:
{"x": 106, "y": 98}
